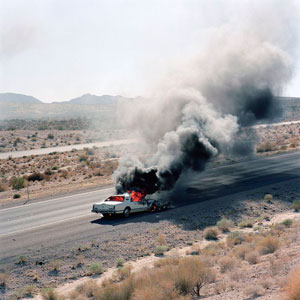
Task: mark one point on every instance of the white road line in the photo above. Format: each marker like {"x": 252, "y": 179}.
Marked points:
{"x": 55, "y": 199}
{"x": 42, "y": 225}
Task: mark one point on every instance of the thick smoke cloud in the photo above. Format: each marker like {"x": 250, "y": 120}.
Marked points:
{"x": 230, "y": 83}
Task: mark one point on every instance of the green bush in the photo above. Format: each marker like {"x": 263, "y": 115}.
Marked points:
{"x": 96, "y": 269}
{"x": 246, "y": 223}
{"x": 16, "y": 196}
{"x": 160, "y": 250}
{"x": 224, "y": 225}
{"x": 296, "y": 205}
{"x": 120, "y": 263}
{"x": 18, "y": 183}
{"x": 287, "y": 222}
{"x": 268, "y": 197}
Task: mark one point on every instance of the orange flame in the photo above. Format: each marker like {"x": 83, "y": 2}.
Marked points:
{"x": 116, "y": 198}
{"x": 137, "y": 196}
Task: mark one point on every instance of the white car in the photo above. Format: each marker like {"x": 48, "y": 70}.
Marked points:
{"x": 124, "y": 205}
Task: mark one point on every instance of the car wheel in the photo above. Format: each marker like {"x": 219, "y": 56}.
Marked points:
{"x": 126, "y": 212}
{"x": 154, "y": 208}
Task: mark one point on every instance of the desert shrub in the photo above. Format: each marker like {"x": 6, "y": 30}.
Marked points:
{"x": 287, "y": 222}
{"x": 252, "y": 257}
{"x": 3, "y": 279}
{"x": 247, "y": 223}
{"x": 254, "y": 291}
{"x": 227, "y": 263}
{"x": 161, "y": 240}
{"x": 3, "y": 187}
{"x": 241, "y": 250}
{"x": 212, "y": 249}
{"x": 50, "y": 294}
{"x": 54, "y": 265}
{"x": 211, "y": 233}
{"x": 29, "y": 290}
{"x": 224, "y": 225}
{"x": 166, "y": 262}
{"x": 17, "y": 183}
{"x": 120, "y": 263}
{"x": 296, "y": 205}
{"x": 88, "y": 289}
{"x": 21, "y": 260}
{"x": 268, "y": 244}
{"x": 50, "y": 136}
{"x": 192, "y": 274}
{"x": 16, "y": 196}
{"x": 160, "y": 250}
{"x": 194, "y": 250}
{"x": 83, "y": 158}
{"x": 35, "y": 177}
{"x": 96, "y": 269}
{"x": 266, "y": 283}
{"x": 235, "y": 238}
{"x": 292, "y": 286}
{"x": 122, "y": 273}
{"x": 268, "y": 197}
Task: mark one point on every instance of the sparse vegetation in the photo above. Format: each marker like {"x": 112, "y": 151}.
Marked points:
{"x": 292, "y": 286}
{"x": 4, "y": 277}
{"x": 18, "y": 183}
{"x": 211, "y": 233}
{"x": 96, "y": 269}
{"x": 287, "y": 222}
{"x": 50, "y": 294}
{"x": 224, "y": 225}
{"x": 268, "y": 244}
{"x": 120, "y": 262}
{"x": 268, "y": 198}
{"x": 160, "y": 250}
{"x": 296, "y": 205}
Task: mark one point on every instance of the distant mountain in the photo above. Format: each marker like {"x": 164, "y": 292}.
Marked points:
{"x": 89, "y": 99}
{"x": 18, "y": 98}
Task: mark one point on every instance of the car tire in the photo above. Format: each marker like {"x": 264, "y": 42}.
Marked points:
{"x": 154, "y": 207}
{"x": 126, "y": 212}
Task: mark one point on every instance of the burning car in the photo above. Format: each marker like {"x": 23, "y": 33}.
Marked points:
{"x": 128, "y": 203}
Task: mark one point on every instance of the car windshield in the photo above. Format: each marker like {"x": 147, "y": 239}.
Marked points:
{"x": 115, "y": 198}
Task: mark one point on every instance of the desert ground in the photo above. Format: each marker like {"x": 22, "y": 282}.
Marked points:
{"x": 235, "y": 258}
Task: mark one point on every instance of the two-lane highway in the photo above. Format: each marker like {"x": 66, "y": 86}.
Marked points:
{"x": 65, "y": 220}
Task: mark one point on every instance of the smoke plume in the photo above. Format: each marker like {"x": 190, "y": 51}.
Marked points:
{"x": 229, "y": 83}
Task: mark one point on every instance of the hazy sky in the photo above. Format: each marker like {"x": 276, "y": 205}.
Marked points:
{"x": 60, "y": 49}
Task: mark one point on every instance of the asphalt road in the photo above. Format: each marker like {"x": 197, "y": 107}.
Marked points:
{"x": 61, "y": 221}
{"x": 5, "y": 155}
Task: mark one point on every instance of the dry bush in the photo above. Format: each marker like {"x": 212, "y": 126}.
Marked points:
{"x": 192, "y": 274}
{"x": 254, "y": 291}
{"x": 29, "y": 290}
{"x": 227, "y": 263}
{"x": 212, "y": 249}
{"x": 54, "y": 265}
{"x": 268, "y": 244}
{"x": 247, "y": 223}
{"x": 287, "y": 222}
{"x": 240, "y": 251}
{"x": 166, "y": 261}
{"x": 252, "y": 257}
{"x": 194, "y": 250}
{"x": 161, "y": 240}
{"x": 3, "y": 187}
{"x": 224, "y": 225}
{"x": 122, "y": 273}
{"x": 268, "y": 198}
{"x": 292, "y": 286}
{"x": 296, "y": 205}
{"x": 235, "y": 238}
{"x": 50, "y": 294}
{"x": 88, "y": 289}
{"x": 211, "y": 233}
{"x": 3, "y": 279}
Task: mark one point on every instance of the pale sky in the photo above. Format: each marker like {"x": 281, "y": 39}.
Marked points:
{"x": 56, "y": 50}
